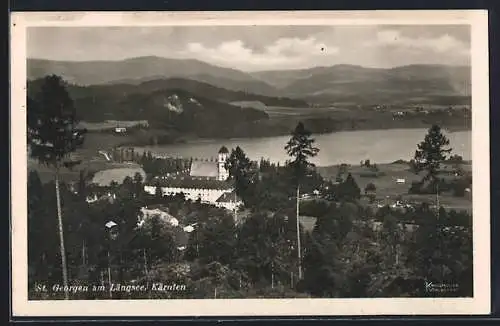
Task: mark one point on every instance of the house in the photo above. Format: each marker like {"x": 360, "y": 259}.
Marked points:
{"x": 109, "y": 196}
{"x": 120, "y": 130}
{"x": 229, "y": 201}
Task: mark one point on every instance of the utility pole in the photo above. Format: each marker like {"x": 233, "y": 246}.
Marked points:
{"x": 146, "y": 272}
{"x": 272, "y": 275}
{"x": 437, "y": 200}
{"x": 145, "y": 262}
{"x": 299, "y": 254}
{"x": 109, "y": 275}
{"x": 61, "y": 238}
{"x": 110, "y": 237}
{"x": 83, "y": 252}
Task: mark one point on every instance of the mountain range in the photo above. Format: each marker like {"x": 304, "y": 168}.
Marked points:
{"x": 137, "y": 70}
{"x": 425, "y": 84}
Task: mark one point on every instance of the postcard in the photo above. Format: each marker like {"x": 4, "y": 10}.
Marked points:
{"x": 250, "y": 163}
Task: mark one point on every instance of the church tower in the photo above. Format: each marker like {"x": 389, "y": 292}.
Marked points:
{"x": 223, "y": 156}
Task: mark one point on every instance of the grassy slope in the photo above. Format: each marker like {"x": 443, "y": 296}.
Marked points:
{"x": 91, "y": 160}
{"x": 388, "y": 190}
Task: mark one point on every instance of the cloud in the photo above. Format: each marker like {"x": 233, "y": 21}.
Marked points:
{"x": 442, "y": 44}
{"x": 260, "y": 47}
{"x": 283, "y": 53}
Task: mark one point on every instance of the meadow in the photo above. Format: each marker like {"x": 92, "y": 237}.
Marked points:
{"x": 111, "y": 124}
{"x": 91, "y": 160}
{"x": 388, "y": 190}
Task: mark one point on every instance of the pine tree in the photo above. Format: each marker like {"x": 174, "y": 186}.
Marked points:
{"x": 82, "y": 185}
{"x": 240, "y": 170}
{"x": 35, "y": 188}
{"x": 431, "y": 152}
{"x": 52, "y": 136}
{"x": 158, "y": 192}
{"x": 300, "y": 148}
{"x": 370, "y": 188}
{"x": 138, "y": 186}
{"x": 349, "y": 189}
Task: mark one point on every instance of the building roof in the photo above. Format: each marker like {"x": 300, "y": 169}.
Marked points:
{"x": 223, "y": 150}
{"x": 204, "y": 169}
{"x": 228, "y": 197}
{"x": 194, "y": 183}
{"x": 164, "y": 216}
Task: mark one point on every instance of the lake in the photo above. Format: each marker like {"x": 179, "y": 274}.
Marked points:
{"x": 350, "y": 147}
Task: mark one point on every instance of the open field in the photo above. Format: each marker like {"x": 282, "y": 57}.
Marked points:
{"x": 67, "y": 175}
{"x": 91, "y": 160}
{"x": 388, "y": 190}
{"x": 321, "y": 119}
{"x": 95, "y": 141}
{"x": 111, "y": 124}
{"x": 277, "y": 112}
{"x": 118, "y": 175}
{"x": 307, "y": 222}
{"x": 283, "y": 112}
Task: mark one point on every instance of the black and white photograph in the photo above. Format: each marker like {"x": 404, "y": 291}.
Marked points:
{"x": 172, "y": 159}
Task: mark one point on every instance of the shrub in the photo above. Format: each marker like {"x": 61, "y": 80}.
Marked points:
{"x": 371, "y": 174}
{"x": 413, "y": 165}
{"x": 314, "y": 208}
{"x": 456, "y": 159}
{"x": 368, "y": 175}
{"x": 416, "y": 187}
{"x": 370, "y": 187}
{"x": 458, "y": 187}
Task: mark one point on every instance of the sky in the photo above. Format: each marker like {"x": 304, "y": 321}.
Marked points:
{"x": 254, "y": 48}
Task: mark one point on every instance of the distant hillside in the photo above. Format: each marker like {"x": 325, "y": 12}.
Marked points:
{"x": 413, "y": 84}
{"x": 192, "y": 86}
{"x": 145, "y": 69}
{"x": 437, "y": 84}
{"x": 172, "y": 109}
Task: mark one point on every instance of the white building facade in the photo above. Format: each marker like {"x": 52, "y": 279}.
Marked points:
{"x": 204, "y": 194}
{"x": 207, "y": 181}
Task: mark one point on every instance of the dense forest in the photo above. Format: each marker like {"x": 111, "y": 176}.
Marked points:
{"x": 99, "y": 102}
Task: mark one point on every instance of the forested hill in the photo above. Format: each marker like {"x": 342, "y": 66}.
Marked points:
{"x": 413, "y": 84}
{"x": 140, "y": 69}
{"x": 194, "y": 87}
{"x": 172, "y": 109}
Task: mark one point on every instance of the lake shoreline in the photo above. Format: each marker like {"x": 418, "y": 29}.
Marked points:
{"x": 348, "y": 147}
{"x": 190, "y": 139}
